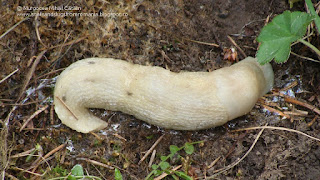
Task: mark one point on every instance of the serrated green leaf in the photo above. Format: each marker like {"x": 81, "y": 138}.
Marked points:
{"x": 117, "y": 174}
{"x": 277, "y": 36}
{"x": 77, "y": 170}
{"x": 174, "y": 149}
{"x": 164, "y": 165}
{"x": 188, "y": 148}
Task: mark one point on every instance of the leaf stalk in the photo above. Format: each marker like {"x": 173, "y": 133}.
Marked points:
{"x": 316, "y": 50}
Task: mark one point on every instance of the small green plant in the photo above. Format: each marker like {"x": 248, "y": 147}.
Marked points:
{"x": 76, "y": 173}
{"x": 277, "y": 37}
{"x": 164, "y": 166}
{"x": 117, "y": 174}
{"x": 57, "y": 171}
{"x": 38, "y": 148}
{"x": 291, "y": 2}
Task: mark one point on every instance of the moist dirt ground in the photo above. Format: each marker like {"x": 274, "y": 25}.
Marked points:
{"x": 174, "y": 34}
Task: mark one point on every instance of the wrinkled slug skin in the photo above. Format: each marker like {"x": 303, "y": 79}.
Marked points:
{"x": 181, "y": 101}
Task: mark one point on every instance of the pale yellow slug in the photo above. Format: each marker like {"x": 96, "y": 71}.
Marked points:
{"x": 181, "y": 101}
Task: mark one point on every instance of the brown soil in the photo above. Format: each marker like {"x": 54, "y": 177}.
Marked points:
{"x": 157, "y": 34}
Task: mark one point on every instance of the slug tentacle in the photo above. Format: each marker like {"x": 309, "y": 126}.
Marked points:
{"x": 181, "y": 101}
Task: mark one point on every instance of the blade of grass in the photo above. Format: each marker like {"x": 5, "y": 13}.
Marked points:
{"x": 314, "y": 14}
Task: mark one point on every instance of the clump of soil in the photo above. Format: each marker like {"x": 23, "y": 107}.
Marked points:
{"x": 171, "y": 34}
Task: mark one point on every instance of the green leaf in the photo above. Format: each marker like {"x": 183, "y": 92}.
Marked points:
{"x": 71, "y": 177}
{"x": 163, "y": 158}
{"x": 59, "y": 170}
{"x": 183, "y": 175}
{"x": 277, "y": 36}
{"x": 117, "y": 174}
{"x": 174, "y": 177}
{"x": 150, "y": 137}
{"x": 154, "y": 166}
{"x": 174, "y": 149}
{"x": 158, "y": 172}
{"x": 29, "y": 158}
{"x": 164, "y": 165}
{"x": 188, "y": 148}
{"x": 77, "y": 170}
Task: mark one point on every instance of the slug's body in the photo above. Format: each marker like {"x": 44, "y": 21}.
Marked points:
{"x": 181, "y": 101}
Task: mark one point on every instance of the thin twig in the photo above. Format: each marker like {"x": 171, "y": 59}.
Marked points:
{"x": 186, "y": 39}
{"x": 11, "y": 176}
{"x": 68, "y": 43}
{"x": 25, "y": 104}
{"x": 275, "y": 111}
{"x": 165, "y": 57}
{"x": 118, "y": 136}
{"x": 306, "y": 105}
{"x": 277, "y": 128}
{"x": 6, "y": 121}
{"x": 312, "y": 121}
{"x": 153, "y": 155}
{"x": 303, "y": 57}
{"x": 222, "y": 170}
{"x": 97, "y": 136}
{"x": 24, "y": 170}
{"x": 163, "y": 175}
{"x": 36, "y": 129}
{"x": 296, "y": 112}
{"x": 51, "y": 72}
{"x": 14, "y": 26}
{"x": 93, "y": 162}
{"x": 65, "y": 105}
{"x": 150, "y": 150}
{"x": 32, "y": 116}
{"x": 37, "y": 163}
{"x": 52, "y": 114}
{"x": 5, "y": 78}
{"x": 214, "y": 162}
{"x": 200, "y": 42}
{"x": 101, "y": 175}
{"x": 37, "y": 30}
{"x": 96, "y": 163}
{"x": 26, "y": 153}
{"x": 30, "y": 73}
{"x": 5, "y": 148}
{"x": 265, "y": 23}
{"x": 65, "y": 40}
{"x": 237, "y": 46}
{"x": 291, "y": 85}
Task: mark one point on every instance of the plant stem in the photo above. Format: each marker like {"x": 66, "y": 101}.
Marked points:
{"x": 316, "y": 50}
{"x": 314, "y": 14}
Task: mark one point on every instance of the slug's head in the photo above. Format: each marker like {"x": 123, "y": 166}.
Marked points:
{"x": 242, "y": 84}
{"x": 268, "y": 76}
